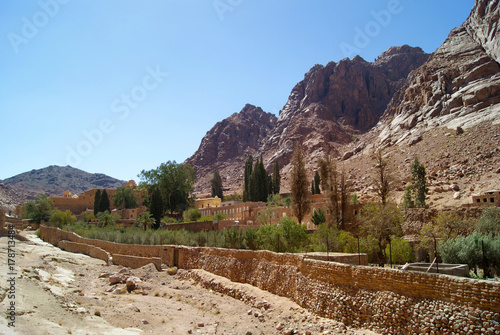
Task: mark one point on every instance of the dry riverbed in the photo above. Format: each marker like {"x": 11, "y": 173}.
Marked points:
{"x": 58, "y": 292}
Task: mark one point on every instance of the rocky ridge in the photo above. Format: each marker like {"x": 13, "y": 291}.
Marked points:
{"x": 444, "y": 108}
{"x": 55, "y": 180}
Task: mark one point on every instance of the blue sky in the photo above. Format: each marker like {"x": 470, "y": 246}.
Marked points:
{"x": 118, "y": 86}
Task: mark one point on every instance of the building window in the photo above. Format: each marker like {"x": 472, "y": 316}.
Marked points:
{"x": 478, "y": 201}
{"x": 492, "y": 199}
{"x": 485, "y": 200}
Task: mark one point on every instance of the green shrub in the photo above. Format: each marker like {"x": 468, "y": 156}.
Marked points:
{"x": 399, "y": 251}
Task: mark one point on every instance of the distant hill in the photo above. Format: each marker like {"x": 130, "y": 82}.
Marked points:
{"x": 54, "y": 180}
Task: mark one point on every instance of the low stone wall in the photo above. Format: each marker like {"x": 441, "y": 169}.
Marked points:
{"x": 135, "y": 262}
{"x": 86, "y": 249}
{"x": 385, "y": 300}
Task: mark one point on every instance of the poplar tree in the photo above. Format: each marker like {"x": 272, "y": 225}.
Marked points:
{"x": 419, "y": 183}
{"x": 97, "y": 199}
{"x": 328, "y": 172}
{"x": 299, "y": 185}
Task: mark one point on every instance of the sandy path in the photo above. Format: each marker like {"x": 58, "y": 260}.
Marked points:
{"x": 64, "y": 293}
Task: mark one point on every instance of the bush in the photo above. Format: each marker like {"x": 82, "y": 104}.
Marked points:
{"x": 192, "y": 215}
{"x": 469, "y": 250}
{"x": 62, "y": 218}
{"x": 400, "y": 251}
{"x": 489, "y": 221}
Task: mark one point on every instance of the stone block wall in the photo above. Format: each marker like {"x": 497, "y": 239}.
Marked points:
{"x": 384, "y": 300}
{"x": 86, "y": 249}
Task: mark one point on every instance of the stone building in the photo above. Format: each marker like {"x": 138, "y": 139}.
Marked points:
{"x": 491, "y": 198}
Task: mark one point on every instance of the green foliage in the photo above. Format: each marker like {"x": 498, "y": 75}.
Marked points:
{"x": 287, "y": 202}
{"x": 97, "y": 198}
{"x": 316, "y": 184}
{"x": 233, "y": 197}
{"x": 469, "y": 250}
{"x": 192, "y": 215}
{"x": 125, "y": 197}
{"x": 106, "y": 218}
{"x": 38, "y": 210}
{"x": 175, "y": 183}
{"x": 216, "y": 185}
{"x": 145, "y": 220}
{"x": 247, "y": 175}
{"x": 346, "y": 242}
{"x": 329, "y": 182}
{"x": 276, "y": 179}
{"x": 400, "y": 251}
{"x": 104, "y": 204}
{"x": 234, "y": 238}
{"x": 294, "y": 234}
{"x": 299, "y": 185}
{"x": 87, "y": 216}
{"x": 275, "y": 200}
{"x": 319, "y": 217}
{"x": 251, "y": 238}
{"x": 325, "y": 238}
{"x": 381, "y": 222}
{"x": 354, "y": 199}
{"x": 419, "y": 183}
{"x": 265, "y": 215}
{"x": 62, "y": 218}
{"x": 407, "y": 201}
{"x": 156, "y": 207}
{"x": 489, "y": 222}
{"x": 258, "y": 189}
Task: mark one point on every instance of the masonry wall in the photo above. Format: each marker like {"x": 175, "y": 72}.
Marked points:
{"x": 392, "y": 300}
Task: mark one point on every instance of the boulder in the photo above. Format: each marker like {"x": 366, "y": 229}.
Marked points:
{"x": 132, "y": 283}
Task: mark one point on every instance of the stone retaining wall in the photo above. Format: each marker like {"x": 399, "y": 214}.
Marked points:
{"x": 384, "y": 300}
{"x": 135, "y": 262}
{"x": 86, "y": 249}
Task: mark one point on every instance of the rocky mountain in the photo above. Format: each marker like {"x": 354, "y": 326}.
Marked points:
{"x": 326, "y": 109}
{"x": 54, "y": 180}
{"x": 459, "y": 86}
{"x": 229, "y": 142}
{"x": 337, "y": 101}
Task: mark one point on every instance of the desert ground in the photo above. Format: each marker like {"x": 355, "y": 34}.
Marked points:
{"x": 58, "y": 292}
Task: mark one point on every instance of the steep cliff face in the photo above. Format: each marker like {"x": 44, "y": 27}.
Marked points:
{"x": 229, "y": 142}
{"x": 337, "y": 101}
{"x": 459, "y": 86}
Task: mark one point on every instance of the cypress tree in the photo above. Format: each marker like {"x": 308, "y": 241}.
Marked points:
{"x": 104, "y": 202}
{"x": 156, "y": 207}
{"x": 248, "y": 174}
{"x": 97, "y": 199}
{"x": 419, "y": 183}
{"x": 276, "y": 179}
{"x": 216, "y": 185}
{"x": 262, "y": 182}
{"x": 317, "y": 181}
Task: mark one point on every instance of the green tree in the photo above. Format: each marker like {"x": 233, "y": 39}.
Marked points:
{"x": 104, "y": 204}
{"x": 265, "y": 216}
{"x": 106, "y": 218}
{"x": 125, "y": 197}
{"x": 318, "y": 217}
{"x": 294, "y": 234}
{"x": 145, "y": 220}
{"x": 250, "y": 237}
{"x": 97, "y": 199}
{"x": 354, "y": 199}
{"x": 276, "y": 179}
{"x": 259, "y": 182}
{"x": 400, "y": 251}
{"x": 489, "y": 222}
{"x": 62, "y": 218}
{"x": 419, "y": 181}
{"x": 325, "y": 238}
{"x": 192, "y": 215}
{"x": 299, "y": 185}
{"x": 156, "y": 207}
{"x": 317, "y": 183}
{"x": 408, "y": 198}
{"x": 216, "y": 185}
{"x": 247, "y": 175}
{"x": 38, "y": 210}
{"x": 87, "y": 216}
{"x": 381, "y": 222}
{"x": 175, "y": 183}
